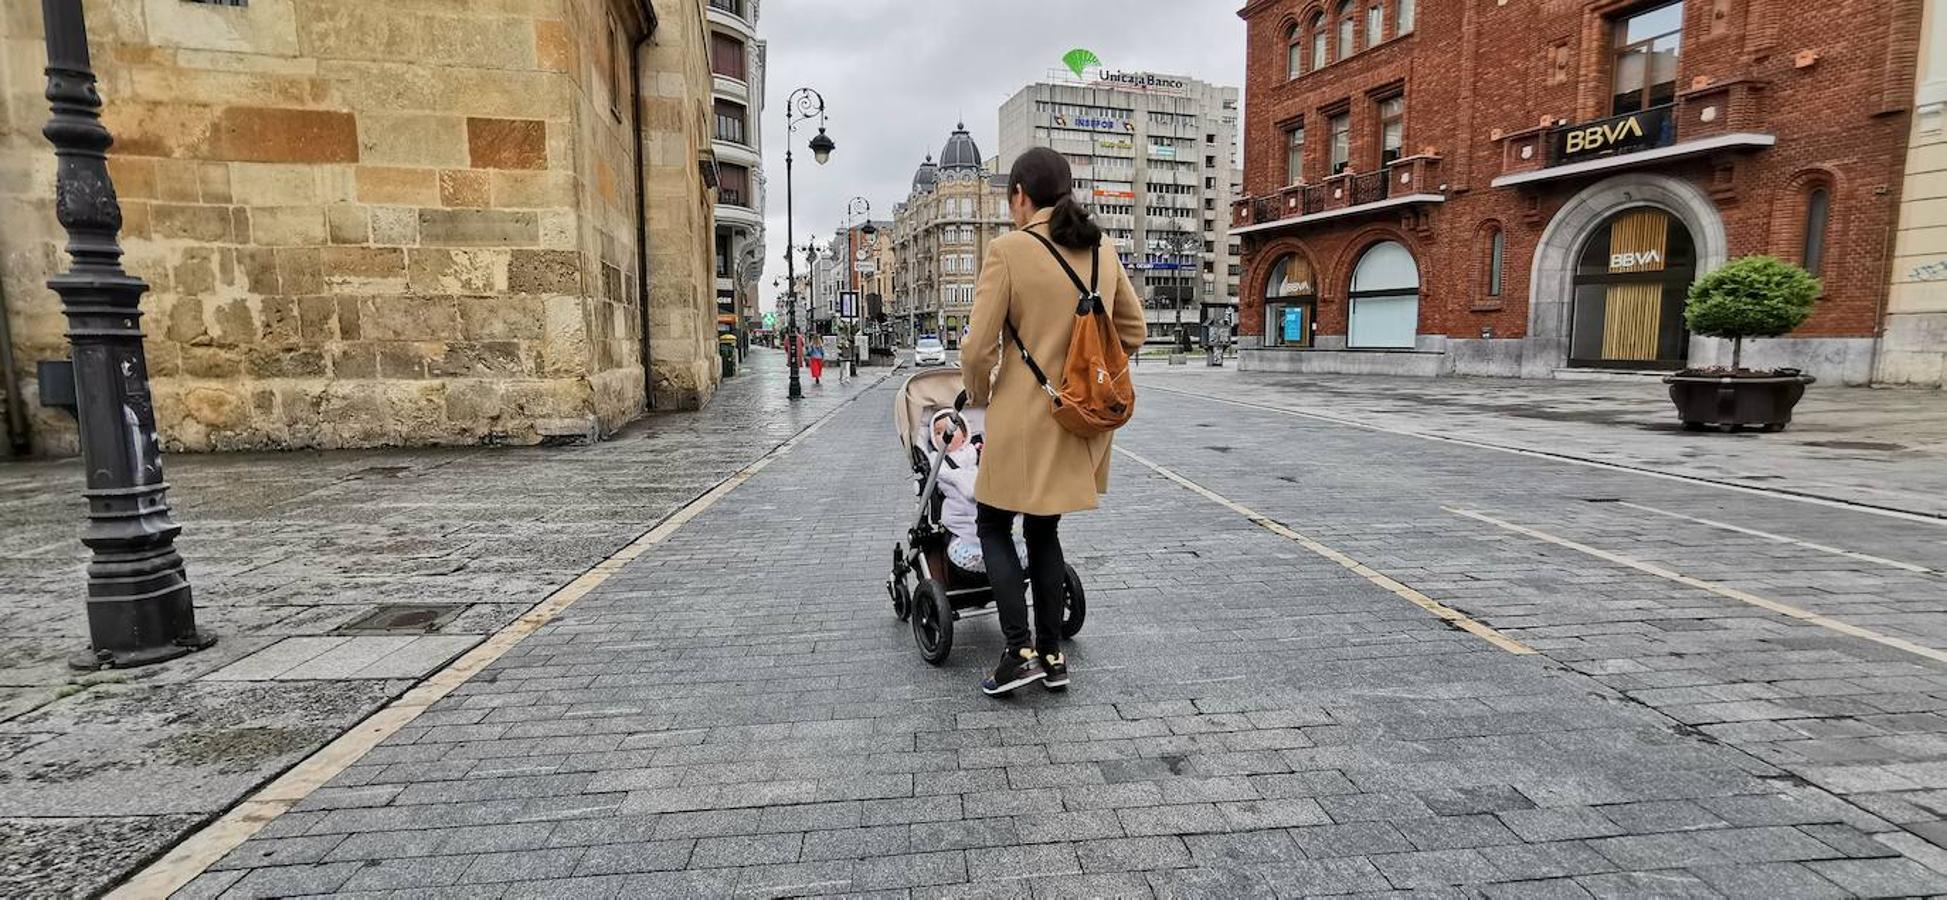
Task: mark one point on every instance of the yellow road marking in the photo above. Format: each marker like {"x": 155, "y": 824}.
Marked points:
{"x": 1783, "y": 609}
{"x": 1454, "y": 616}
{"x": 1779, "y": 538}
{"x": 205, "y": 847}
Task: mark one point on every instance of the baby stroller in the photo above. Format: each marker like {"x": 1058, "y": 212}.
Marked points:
{"x": 925, "y": 586}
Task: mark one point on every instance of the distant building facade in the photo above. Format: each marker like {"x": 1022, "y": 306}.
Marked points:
{"x": 1530, "y": 188}
{"x": 1914, "y": 349}
{"x": 940, "y": 234}
{"x": 365, "y": 224}
{"x": 737, "y": 69}
{"x": 1155, "y": 159}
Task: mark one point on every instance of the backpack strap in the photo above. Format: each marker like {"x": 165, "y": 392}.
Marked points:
{"x": 1090, "y": 301}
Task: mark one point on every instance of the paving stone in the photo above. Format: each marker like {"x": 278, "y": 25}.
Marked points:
{"x": 1022, "y": 862}
{"x": 1133, "y": 854}
{"x": 1880, "y": 877}
{"x": 1766, "y": 881}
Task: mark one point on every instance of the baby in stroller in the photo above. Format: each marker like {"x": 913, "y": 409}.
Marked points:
{"x": 939, "y": 575}
{"x": 956, "y": 484}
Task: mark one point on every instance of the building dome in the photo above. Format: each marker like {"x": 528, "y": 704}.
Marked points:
{"x": 960, "y": 151}
{"x": 927, "y": 176}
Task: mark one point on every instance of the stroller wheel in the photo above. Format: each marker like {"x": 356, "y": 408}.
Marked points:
{"x": 902, "y": 598}
{"x": 932, "y": 622}
{"x": 1075, "y": 609}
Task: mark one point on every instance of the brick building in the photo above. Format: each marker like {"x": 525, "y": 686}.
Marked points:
{"x": 367, "y": 224}
{"x": 1520, "y": 187}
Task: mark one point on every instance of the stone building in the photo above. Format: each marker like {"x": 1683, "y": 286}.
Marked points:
{"x": 1914, "y": 349}
{"x": 940, "y": 235}
{"x": 1529, "y": 187}
{"x": 1155, "y": 161}
{"x": 365, "y": 224}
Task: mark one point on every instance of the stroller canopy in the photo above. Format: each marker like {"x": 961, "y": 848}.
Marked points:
{"x": 923, "y": 395}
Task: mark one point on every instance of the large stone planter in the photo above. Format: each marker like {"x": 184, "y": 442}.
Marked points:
{"x": 1737, "y": 401}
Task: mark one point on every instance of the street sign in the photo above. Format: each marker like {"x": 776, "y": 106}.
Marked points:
{"x": 848, "y": 304}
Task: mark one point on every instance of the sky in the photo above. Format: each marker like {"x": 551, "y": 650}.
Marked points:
{"x": 897, "y": 74}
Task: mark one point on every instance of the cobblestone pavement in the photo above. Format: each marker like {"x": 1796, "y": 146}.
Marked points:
{"x": 1882, "y": 447}
{"x": 1258, "y": 709}
{"x": 285, "y": 550}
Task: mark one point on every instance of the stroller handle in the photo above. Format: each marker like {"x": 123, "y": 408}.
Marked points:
{"x": 960, "y": 402}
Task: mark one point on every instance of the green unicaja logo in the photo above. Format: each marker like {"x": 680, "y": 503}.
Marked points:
{"x": 1078, "y": 60}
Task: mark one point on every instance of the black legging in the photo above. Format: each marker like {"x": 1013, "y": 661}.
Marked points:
{"x": 1049, "y": 573}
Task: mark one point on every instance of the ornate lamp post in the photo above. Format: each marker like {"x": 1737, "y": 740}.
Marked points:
{"x": 139, "y": 609}
{"x": 804, "y": 105}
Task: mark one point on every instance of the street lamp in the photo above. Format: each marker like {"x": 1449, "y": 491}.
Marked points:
{"x": 804, "y": 105}
{"x": 139, "y": 608}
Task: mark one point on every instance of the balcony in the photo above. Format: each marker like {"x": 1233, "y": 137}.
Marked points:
{"x": 1406, "y": 183}
{"x": 1710, "y": 118}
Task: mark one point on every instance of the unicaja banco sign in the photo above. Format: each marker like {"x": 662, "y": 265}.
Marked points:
{"x": 1147, "y": 81}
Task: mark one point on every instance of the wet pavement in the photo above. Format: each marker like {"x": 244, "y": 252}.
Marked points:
{"x": 286, "y": 553}
{"x": 1320, "y": 658}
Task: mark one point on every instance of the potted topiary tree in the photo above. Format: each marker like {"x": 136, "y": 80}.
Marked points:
{"x": 1751, "y": 297}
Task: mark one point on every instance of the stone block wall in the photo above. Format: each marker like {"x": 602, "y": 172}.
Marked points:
{"x": 677, "y": 124}
{"x": 363, "y": 223}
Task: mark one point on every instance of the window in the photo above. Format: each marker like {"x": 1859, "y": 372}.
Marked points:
{"x": 1385, "y": 299}
{"x": 1348, "y": 29}
{"x": 1497, "y": 248}
{"x": 1818, "y": 214}
{"x": 726, "y": 56}
{"x": 731, "y": 122}
{"x": 733, "y": 185}
{"x": 1375, "y": 25}
{"x": 1294, "y": 63}
{"x": 1341, "y": 142}
{"x": 1404, "y": 16}
{"x": 1644, "y": 69}
{"x": 1318, "y": 41}
{"x": 615, "y": 55}
{"x": 1294, "y": 154}
{"x": 1392, "y": 128}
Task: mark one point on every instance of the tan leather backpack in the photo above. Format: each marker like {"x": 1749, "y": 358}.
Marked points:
{"x": 1096, "y": 395}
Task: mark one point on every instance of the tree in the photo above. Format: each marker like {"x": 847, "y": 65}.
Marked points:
{"x": 1751, "y": 297}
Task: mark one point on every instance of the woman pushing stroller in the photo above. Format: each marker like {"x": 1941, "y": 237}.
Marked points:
{"x": 1035, "y": 466}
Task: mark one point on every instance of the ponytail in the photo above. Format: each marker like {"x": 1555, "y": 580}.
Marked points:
{"x": 1044, "y": 176}
{"x": 1070, "y": 226}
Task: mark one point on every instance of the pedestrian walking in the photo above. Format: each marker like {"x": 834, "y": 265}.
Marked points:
{"x": 816, "y": 355}
{"x": 1033, "y": 466}
{"x": 844, "y": 359}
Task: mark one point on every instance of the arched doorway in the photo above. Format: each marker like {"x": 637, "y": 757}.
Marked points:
{"x": 1290, "y": 303}
{"x": 1631, "y": 278}
{"x": 1385, "y": 299}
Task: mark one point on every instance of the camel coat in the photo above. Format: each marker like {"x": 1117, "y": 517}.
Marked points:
{"x": 1031, "y": 464}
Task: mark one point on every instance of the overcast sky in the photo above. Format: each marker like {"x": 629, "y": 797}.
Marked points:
{"x": 897, "y": 74}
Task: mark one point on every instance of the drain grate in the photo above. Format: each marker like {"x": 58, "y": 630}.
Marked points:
{"x": 403, "y": 618}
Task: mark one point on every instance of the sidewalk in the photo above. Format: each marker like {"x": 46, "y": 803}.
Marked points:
{"x": 285, "y": 550}
{"x": 1880, "y": 447}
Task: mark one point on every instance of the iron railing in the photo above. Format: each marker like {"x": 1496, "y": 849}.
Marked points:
{"x": 1370, "y": 187}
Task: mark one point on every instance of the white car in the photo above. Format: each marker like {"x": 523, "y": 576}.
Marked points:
{"x": 929, "y": 352}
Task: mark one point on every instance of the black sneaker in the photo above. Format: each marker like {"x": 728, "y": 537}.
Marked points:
{"x": 1056, "y": 665}
{"x": 1016, "y": 670}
